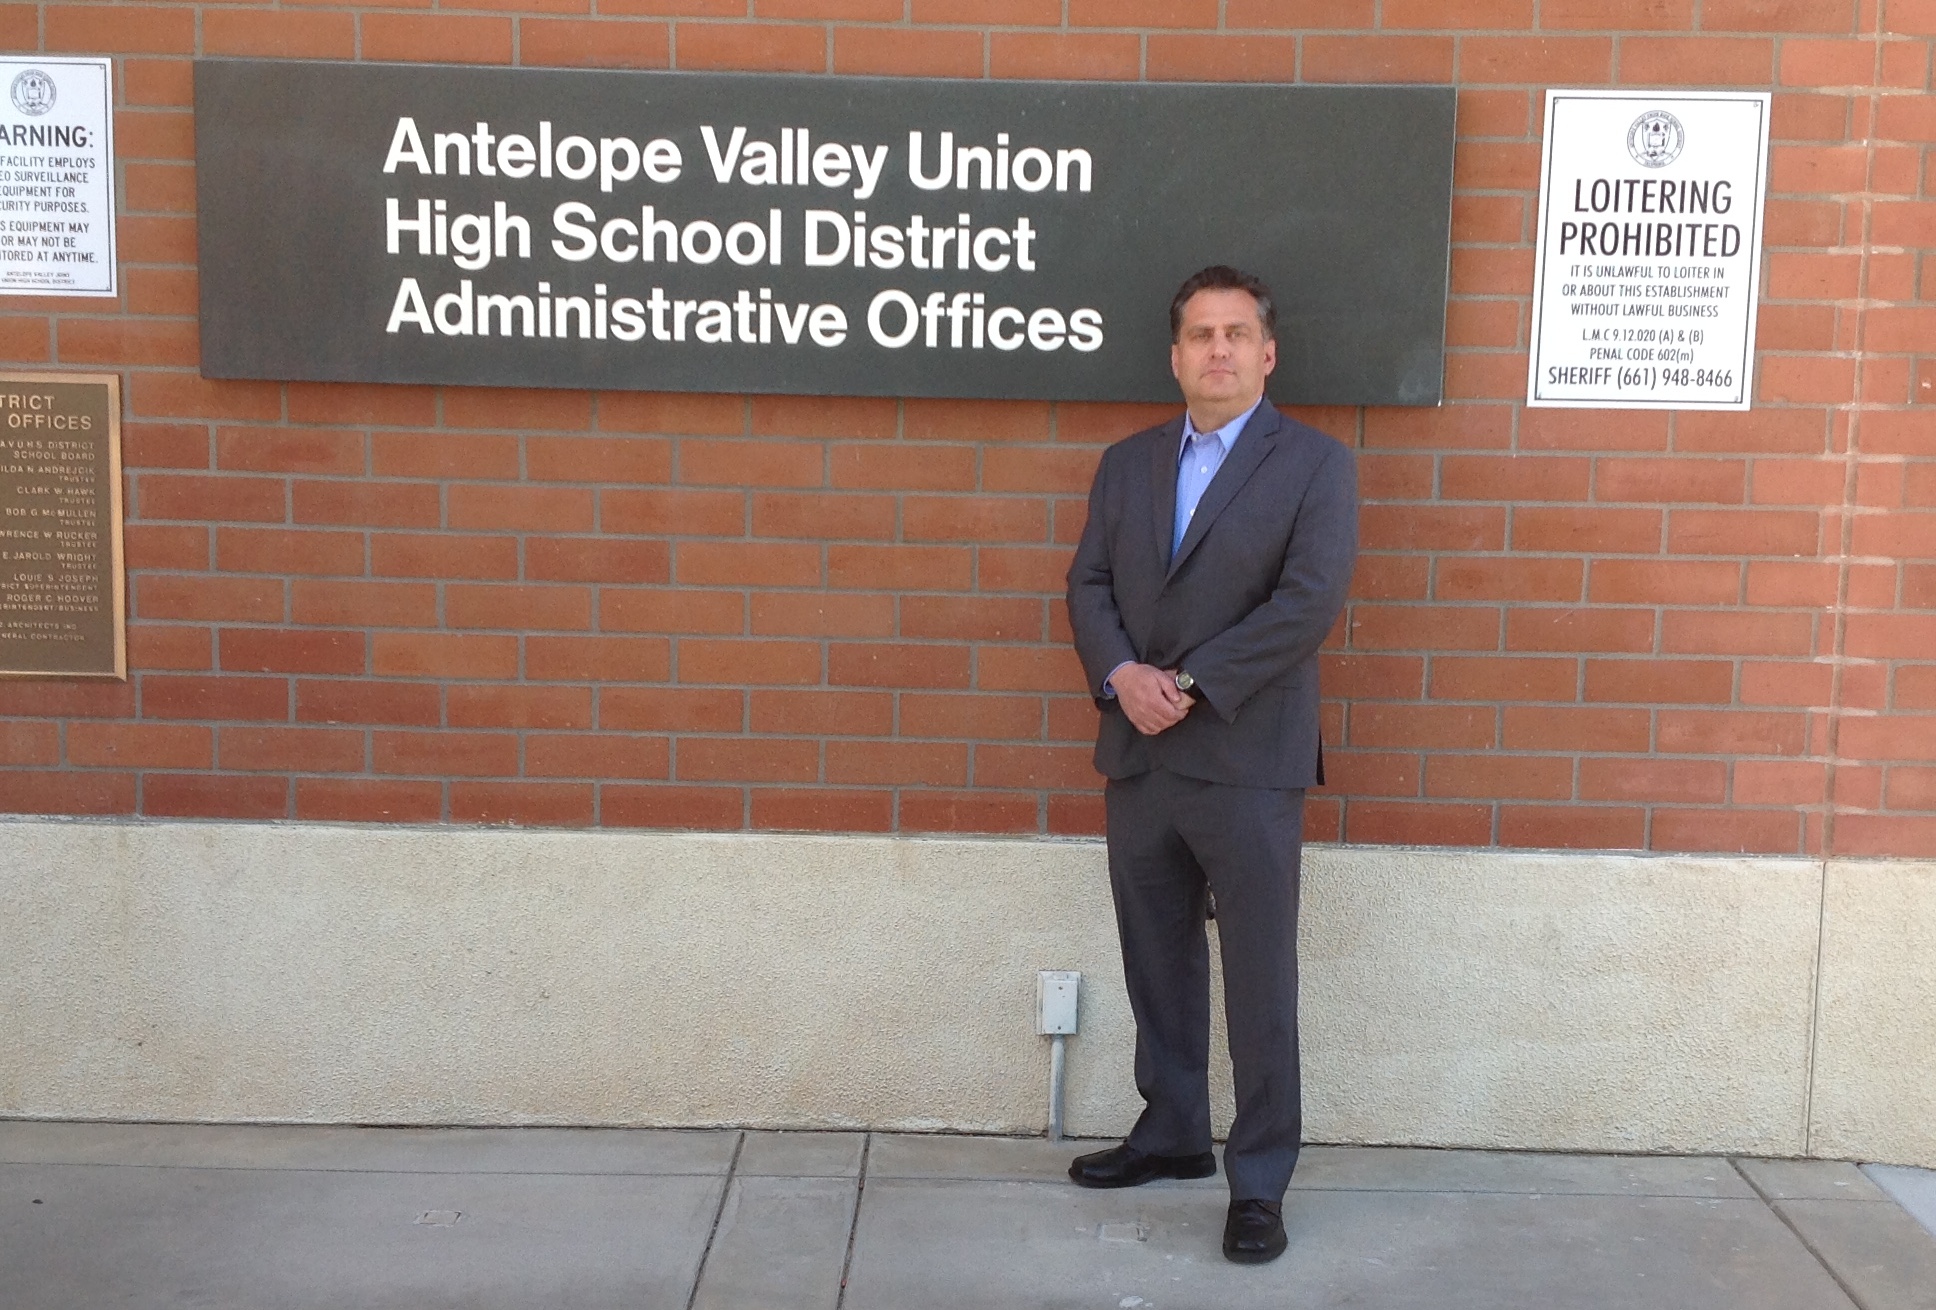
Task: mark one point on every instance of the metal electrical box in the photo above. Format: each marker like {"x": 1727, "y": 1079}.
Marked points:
{"x": 1055, "y": 1000}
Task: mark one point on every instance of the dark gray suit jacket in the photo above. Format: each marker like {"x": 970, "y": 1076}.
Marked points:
{"x": 1253, "y": 590}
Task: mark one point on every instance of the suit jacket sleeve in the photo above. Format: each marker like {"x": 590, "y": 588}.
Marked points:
{"x": 1101, "y": 643}
{"x": 1287, "y": 629}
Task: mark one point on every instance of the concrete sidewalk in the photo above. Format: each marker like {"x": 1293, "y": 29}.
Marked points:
{"x": 99, "y": 1215}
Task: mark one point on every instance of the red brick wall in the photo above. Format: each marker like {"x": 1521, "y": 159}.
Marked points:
{"x": 1605, "y": 629}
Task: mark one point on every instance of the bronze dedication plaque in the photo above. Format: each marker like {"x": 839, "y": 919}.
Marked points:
{"x": 61, "y": 581}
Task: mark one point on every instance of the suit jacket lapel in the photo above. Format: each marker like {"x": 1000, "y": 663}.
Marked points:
{"x": 1253, "y": 444}
{"x": 1163, "y": 489}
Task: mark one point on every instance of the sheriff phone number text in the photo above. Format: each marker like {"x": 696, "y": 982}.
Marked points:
{"x": 1642, "y": 377}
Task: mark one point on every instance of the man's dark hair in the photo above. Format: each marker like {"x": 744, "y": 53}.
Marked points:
{"x": 1222, "y": 277}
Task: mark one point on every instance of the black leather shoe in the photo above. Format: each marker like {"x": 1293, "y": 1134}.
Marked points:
{"x": 1125, "y": 1166}
{"x": 1254, "y": 1232}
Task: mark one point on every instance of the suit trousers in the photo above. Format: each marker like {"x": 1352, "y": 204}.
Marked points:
{"x": 1170, "y": 838}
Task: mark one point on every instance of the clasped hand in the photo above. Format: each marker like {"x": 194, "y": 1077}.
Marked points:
{"x": 1150, "y": 698}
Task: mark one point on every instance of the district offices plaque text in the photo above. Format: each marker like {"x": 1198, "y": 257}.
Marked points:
{"x": 61, "y": 611}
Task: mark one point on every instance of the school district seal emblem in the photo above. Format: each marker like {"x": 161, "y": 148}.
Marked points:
{"x": 33, "y": 92}
{"x": 1655, "y": 139}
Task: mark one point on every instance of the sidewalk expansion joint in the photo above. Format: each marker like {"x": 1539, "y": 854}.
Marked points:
{"x": 330, "y": 1169}
{"x": 1800, "y": 1236}
{"x": 853, "y": 1225}
{"x": 719, "y": 1211}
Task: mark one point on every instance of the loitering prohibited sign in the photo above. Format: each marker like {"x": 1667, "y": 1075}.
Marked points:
{"x": 1649, "y": 255}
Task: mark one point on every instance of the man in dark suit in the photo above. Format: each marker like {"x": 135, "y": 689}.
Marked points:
{"x": 1214, "y": 562}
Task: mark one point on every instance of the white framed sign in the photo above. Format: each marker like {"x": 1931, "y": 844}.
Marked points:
{"x": 1648, "y": 266}
{"x": 57, "y": 177}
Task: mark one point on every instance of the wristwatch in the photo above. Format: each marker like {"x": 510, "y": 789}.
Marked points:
{"x": 1184, "y": 682}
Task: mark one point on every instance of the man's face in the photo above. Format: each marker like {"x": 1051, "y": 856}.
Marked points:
{"x": 1220, "y": 355}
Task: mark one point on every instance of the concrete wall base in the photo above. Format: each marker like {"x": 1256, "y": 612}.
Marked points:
{"x": 1554, "y": 1001}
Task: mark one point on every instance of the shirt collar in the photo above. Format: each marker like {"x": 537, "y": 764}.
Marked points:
{"x": 1226, "y": 435}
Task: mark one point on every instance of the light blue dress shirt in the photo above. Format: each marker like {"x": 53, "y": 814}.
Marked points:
{"x": 1199, "y": 456}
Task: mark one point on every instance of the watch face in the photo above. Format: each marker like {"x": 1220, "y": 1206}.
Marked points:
{"x": 1184, "y": 682}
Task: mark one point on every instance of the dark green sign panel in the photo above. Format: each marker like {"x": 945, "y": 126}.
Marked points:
{"x": 809, "y": 235}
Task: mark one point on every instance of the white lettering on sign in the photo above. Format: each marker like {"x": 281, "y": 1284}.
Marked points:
{"x": 427, "y": 226}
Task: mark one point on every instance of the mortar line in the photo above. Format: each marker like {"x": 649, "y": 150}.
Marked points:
{"x": 1852, "y": 437}
{"x": 712, "y": 1234}
{"x": 1800, "y": 1236}
{"x": 853, "y": 1225}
